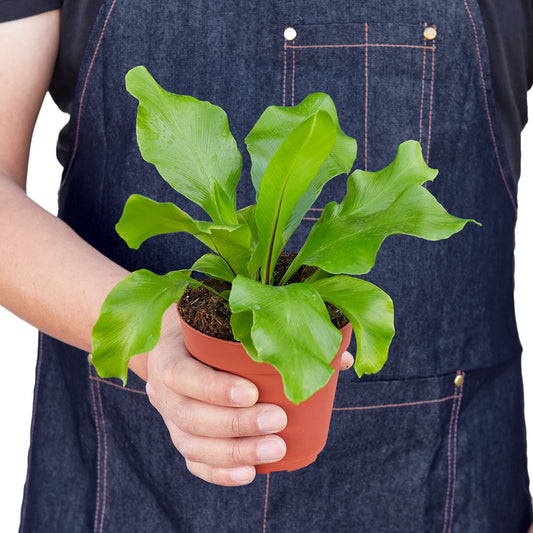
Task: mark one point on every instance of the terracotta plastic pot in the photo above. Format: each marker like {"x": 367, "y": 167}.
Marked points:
{"x": 308, "y": 423}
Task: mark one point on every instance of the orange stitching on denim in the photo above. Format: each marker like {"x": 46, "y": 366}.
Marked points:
{"x": 82, "y": 97}
{"x": 452, "y": 470}
{"x": 482, "y": 74}
{"x": 266, "y": 502}
{"x": 448, "y": 487}
{"x": 366, "y": 96}
{"x": 293, "y": 73}
{"x": 362, "y": 45}
{"x": 105, "y": 457}
{"x": 284, "y": 72}
{"x": 98, "y": 451}
{"x": 37, "y": 380}
{"x": 452, "y": 504}
{"x": 117, "y": 386}
{"x": 366, "y": 45}
{"x": 431, "y": 100}
{"x": 407, "y": 404}
{"x": 423, "y": 88}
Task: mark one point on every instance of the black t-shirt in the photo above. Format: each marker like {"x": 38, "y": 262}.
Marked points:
{"x": 508, "y": 25}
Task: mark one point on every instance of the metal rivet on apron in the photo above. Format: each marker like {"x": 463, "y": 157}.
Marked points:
{"x": 289, "y": 34}
{"x": 430, "y": 33}
{"x": 90, "y": 358}
{"x": 459, "y": 380}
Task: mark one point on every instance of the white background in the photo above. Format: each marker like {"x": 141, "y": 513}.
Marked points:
{"x": 18, "y": 341}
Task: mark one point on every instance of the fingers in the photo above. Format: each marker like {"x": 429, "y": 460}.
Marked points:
{"x": 212, "y": 416}
{"x": 227, "y": 453}
{"x": 198, "y": 418}
{"x": 196, "y": 380}
{"x": 347, "y": 361}
{"x": 227, "y": 477}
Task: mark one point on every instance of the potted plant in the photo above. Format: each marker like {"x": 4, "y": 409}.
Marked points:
{"x": 279, "y": 320}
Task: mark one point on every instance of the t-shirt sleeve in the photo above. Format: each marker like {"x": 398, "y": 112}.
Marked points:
{"x": 18, "y": 9}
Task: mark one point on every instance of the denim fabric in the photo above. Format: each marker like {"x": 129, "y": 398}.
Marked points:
{"x": 409, "y": 450}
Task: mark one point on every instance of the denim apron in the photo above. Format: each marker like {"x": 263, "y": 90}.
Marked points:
{"x": 436, "y": 440}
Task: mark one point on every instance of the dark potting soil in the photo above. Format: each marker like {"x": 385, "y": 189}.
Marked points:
{"x": 210, "y": 314}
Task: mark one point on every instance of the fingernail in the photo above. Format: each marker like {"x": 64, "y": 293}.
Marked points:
{"x": 242, "y": 474}
{"x": 243, "y": 395}
{"x": 271, "y": 449}
{"x": 271, "y": 420}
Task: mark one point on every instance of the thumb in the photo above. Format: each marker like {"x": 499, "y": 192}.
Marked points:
{"x": 347, "y": 360}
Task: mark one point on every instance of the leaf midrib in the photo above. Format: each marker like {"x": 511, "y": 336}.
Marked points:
{"x": 286, "y": 181}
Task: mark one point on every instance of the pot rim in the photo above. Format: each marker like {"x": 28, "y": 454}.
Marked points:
{"x": 201, "y": 333}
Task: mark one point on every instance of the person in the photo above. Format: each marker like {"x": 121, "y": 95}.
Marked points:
{"x": 434, "y": 440}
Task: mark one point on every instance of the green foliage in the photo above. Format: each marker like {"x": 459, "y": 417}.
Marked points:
{"x": 131, "y": 316}
{"x": 347, "y": 236}
{"x": 295, "y": 151}
{"x": 288, "y": 175}
{"x": 271, "y": 130}
{"x": 144, "y": 218}
{"x": 214, "y": 266}
{"x": 190, "y": 144}
{"x": 371, "y": 313}
{"x": 265, "y": 317}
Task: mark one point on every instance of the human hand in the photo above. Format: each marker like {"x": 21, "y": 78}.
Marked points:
{"x": 213, "y": 417}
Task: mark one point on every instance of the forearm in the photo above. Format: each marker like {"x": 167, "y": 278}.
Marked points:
{"x": 49, "y": 276}
{"x": 53, "y": 279}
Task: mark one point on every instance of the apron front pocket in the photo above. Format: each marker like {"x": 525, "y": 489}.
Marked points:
{"x": 380, "y": 76}
{"x": 392, "y": 447}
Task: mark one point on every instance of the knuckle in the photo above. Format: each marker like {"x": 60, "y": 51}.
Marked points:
{"x": 236, "y": 452}
{"x": 170, "y": 374}
{"x": 183, "y": 417}
{"x": 217, "y": 476}
{"x": 236, "y": 425}
{"x": 220, "y": 476}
